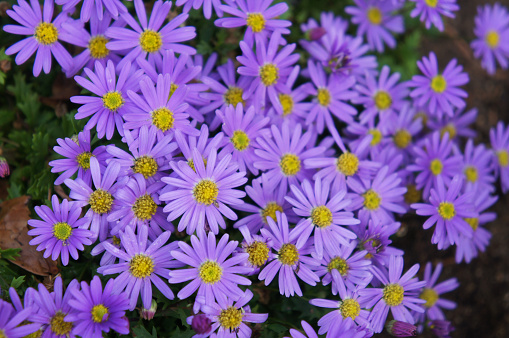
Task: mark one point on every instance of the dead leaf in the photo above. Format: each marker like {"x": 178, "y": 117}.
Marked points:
{"x": 62, "y": 90}
{"x": 14, "y": 215}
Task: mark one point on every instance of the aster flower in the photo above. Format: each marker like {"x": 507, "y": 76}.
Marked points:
{"x": 376, "y": 21}
{"x": 398, "y": 294}
{"x": 78, "y": 152}
{"x": 113, "y": 8}
{"x": 499, "y": 139}
{"x": 202, "y": 143}
{"x": 374, "y": 131}
{"x": 430, "y": 11}
{"x": 141, "y": 263}
{"x": 440, "y": 91}
{"x": 201, "y": 324}
{"x": 196, "y": 4}
{"x": 457, "y": 125}
{"x": 11, "y": 318}
{"x": 106, "y": 258}
{"x": 308, "y": 330}
{"x": 61, "y": 231}
{"x": 448, "y": 209}
{"x": 212, "y": 273}
{"x": 97, "y": 310}
{"x": 150, "y": 38}
{"x": 478, "y": 168}
{"x": 257, "y": 247}
{"x": 405, "y": 128}
{"x": 291, "y": 258}
{"x": 321, "y": 214}
{"x": 111, "y": 102}
{"x": 43, "y": 35}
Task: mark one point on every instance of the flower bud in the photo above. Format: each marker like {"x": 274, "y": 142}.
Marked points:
{"x": 201, "y": 324}
{"x": 401, "y": 329}
{"x": 316, "y": 33}
{"x": 441, "y": 328}
{"x": 148, "y": 314}
{"x": 4, "y": 167}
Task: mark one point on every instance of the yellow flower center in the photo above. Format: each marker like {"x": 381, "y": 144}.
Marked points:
{"x": 115, "y": 240}
{"x": 240, "y": 140}
{"x": 205, "y": 192}
{"x": 473, "y": 222}
{"x": 383, "y": 100}
{"x": 173, "y": 88}
{"x": 371, "y": 200}
{"x": 438, "y": 84}
{"x": 146, "y": 166}
{"x": 446, "y": 210}
{"x": 231, "y": 318}
{"x": 377, "y": 136}
{"x": 338, "y": 263}
{"x": 36, "y": 334}
{"x": 321, "y": 216}
{"x": 287, "y": 103}
{"x": 492, "y": 39}
{"x": 349, "y": 308}
{"x": 62, "y": 231}
{"x": 471, "y": 173}
{"x": 412, "y": 195}
{"x": 98, "y": 313}
{"x": 256, "y": 21}
{"x": 234, "y": 96}
{"x": 58, "y": 326}
{"x": 348, "y": 164}
{"x": 323, "y": 97}
{"x": 258, "y": 253}
{"x": 423, "y": 116}
{"x": 83, "y": 160}
{"x": 270, "y": 210}
{"x": 450, "y": 129}
{"x": 144, "y": 207}
{"x": 432, "y": 3}
{"x": 430, "y": 296}
{"x": 141, "y": 266}
{"x": 163, "y": 119}
{"x": 113, "y": 101}
{"x": 503, "y": 158}
{"x": 393, "y": 294}
{"x": 150, "y": 41}
{"x": 269, "y": 74}
{"x": 436, "y": 166}
{"x": 290, "y": 164}
{"x": 46, "y": 33}
{"x": 210, "y": 272}
{"x": 97, "y": 47}
{"x": 100, "y": 201}
{"x": 288, "y": 254}
{"x": 402, "y": 138}
{"x": 374, "y": 15}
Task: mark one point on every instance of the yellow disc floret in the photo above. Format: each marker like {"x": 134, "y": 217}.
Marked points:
{"x": 438, "y": 84}
{"x": 97, "y": 47}
{"x": 323, "y": 96}
{"x": 431, "y": 3}
{"x": 100, "y": 201}
{"x": 288, "y": 254}
{"x": 83, "y": 159}
{"x": 231, "y": 318}
{"x": 46, "y": 33}
{"x": 173, "y": 88}
{"x": 412, "y": 195}
{"x": 402, "y": 138}
{"x": 163, "y": 119}
{"x": 321, "y": 216}
{"x": 258, "y": 253}
{"x": 146, "y": 166}
{"x": 503, "y": 158}
{"x": 446, "y": 210}
{"x": 210, "y": 272}
{"x": 287, "y": 103}
{"x": 348, "y": 164}
{"x": 449, "y": 129}
{"x": 113, "y": 101}
{"x": 383, "y": 100}
{"x": 270, "y": 210}
{"x": 473, "y": 222}
{"x": 234, "y": 96}
{"x": 350, "y": 308}
{"x": 144, "y": 207}
{"x": 492, "y": 39}
{"x": 256, "y": 21}
{"x": 393, "y": 294}
{"x": 372, "y": 200}
{"x": 377, "y": 136}
{"x": 430, "y": 296}
{"x": 99, "y": 313}
{"x": 141, "y": 266}
{"x": 290, "y": 164}
{"x": 205, "y": 192}
{"x": 58, "y": 325}
{"x": 338, "y": 263}
{"x": 375, "y": 15}
{"x": 269, "y": 74}
{"x": 151, "y": 41}
{"x": 240, "y": 140}
{"x": 471, "y": 173}
{"x": 436, "y": 166}
{"x": 62, "y": 231}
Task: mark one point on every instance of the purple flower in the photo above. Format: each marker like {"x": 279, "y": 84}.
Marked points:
{"x": 499, "y": 139}
{"x": 439, "y": 90}
{"x": 430, "y": 11}
{"x": 113, "y": 8}
{"x": 478, "y": 168}
{"x": 4, "y": 167}
{"x": 61, "y": 231}
{"x": 441, "y": 328}
{"x": 257, "y": 247}
{"x": 11, "y": 320}
{"x": 308, "y": 329}
{"x": 43, "y": 35}
{"x": 405, "y": 128}
{"x": 398, "y": 328}
{"x": 200, "y": 323}
{"x": 97, "y": 311}
{"x": 196, "y": 4}
{"x": 457, "y": 125}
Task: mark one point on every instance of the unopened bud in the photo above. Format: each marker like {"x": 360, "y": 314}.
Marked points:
{"x": 4, "y": 167}
{"x": 148, "y": 314}
{"x": 441, "y": 328}
{"x": 401, "y": 329}
{"x": 201, "y": 324}
{"x": 316, "y": 33}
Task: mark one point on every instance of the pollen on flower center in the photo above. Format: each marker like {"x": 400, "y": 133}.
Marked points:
{"x": 393, "y": 294}
{"x": 371, "y": 200}
{"x": 173, "y": 88}
{"x": 163, "y": 119}
{"x": 270, "y": 210}
{"x": 450, "y": 129}
{"x": 503, "y": 158}
{"x": 446, "y": 210}
{"x": 412, "y": 195}
{"x": 321, "y": 216}
{"x": 338, "y": 263}
{"x": 231, "y": 318}
{"x": 83, "y": 159}
{"x": 492, "y": 39}
{"x": 287, "y": 103}
{"x": 144, "y": 207}
{"x": 113, "y": 101}
{"x": 97, "y": 47}
{"x": 141, "y": 266}
{"x": 348, "y": 164}
{"x": 46, "y": 33}
{"x": 150, "y": 41}
{"x": 383, "y": 100}
{"x": 58, "y": 326}
{"x": 146, "y": 166}
{"x": 323, "y": 96}
{"x": 402, "y": 138}
{"x": 269, "y": 74}
{"x": 234, "y": 96}
{"x": 374, "y": 15}
{"x": 288, "y": 254}
{"x": 430, "y": 296}
{"x": 99, "y": 313}
{"x": 473, "y": 222}
{"x": 431, "y": 3}
{"x": 100, "y": 201}
{"x": 210, "y": 272}
{"x": 205, "y": 192}
{"x": 436, "y": 166}
{"x": 240, "y": 140}
{"x": 350, "y": 308}
{"x": 438, "y": 84}
{"x": 471, "y": 173}
{"x": 256, "y": 21}
{"x": 377, "y": 136}
{"x": 62, "y": 231}
{"x": 258, "y": 253}
{"x": 290, "y": 164}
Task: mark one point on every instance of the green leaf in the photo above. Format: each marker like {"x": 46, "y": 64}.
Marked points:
{"x": 9, "y": 253}
{"x": 142, "y": 332}
{"x": 16, "y": 282}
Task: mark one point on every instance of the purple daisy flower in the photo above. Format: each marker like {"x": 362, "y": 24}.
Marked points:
{"x": 212, "y": 273}
{"x": 448, "y": 209}
{"x": 257, "y": 247}
{"x": 141, "y": 264}
{"x": 404, "y": 129}
{"x": 290, "y": 259}
{"x": 308, "y": 330}
{"x": 111, "y": 102}
{"x": 492, "y": 37}
{"x": 399, "y": 293}
{"x": 375, "y": 19}
{"x": 78, "y": 153}
{"x": 106, "y": 258}
{"x": 457, "y": 125}
{"x": 478, "y": 168}
{"x": 376, "y": 133}
{"x": 499, "y": 139}
{"x": 97, "y": 310}
{"x": 61, "y": 231}
{"x": 149, "y": 38}
{"x": 440, "y": 91}
{"x": 113, "y": 8}
{"x": 430, "y": 11}
{"x": 11, "y": 319}
{"x": 196, "y": 4}
{"x": 202, "y": 143}
{"x": 322, "y": 215}
{"x": 201, "y": 195}
{"x": 43, "y": 35}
